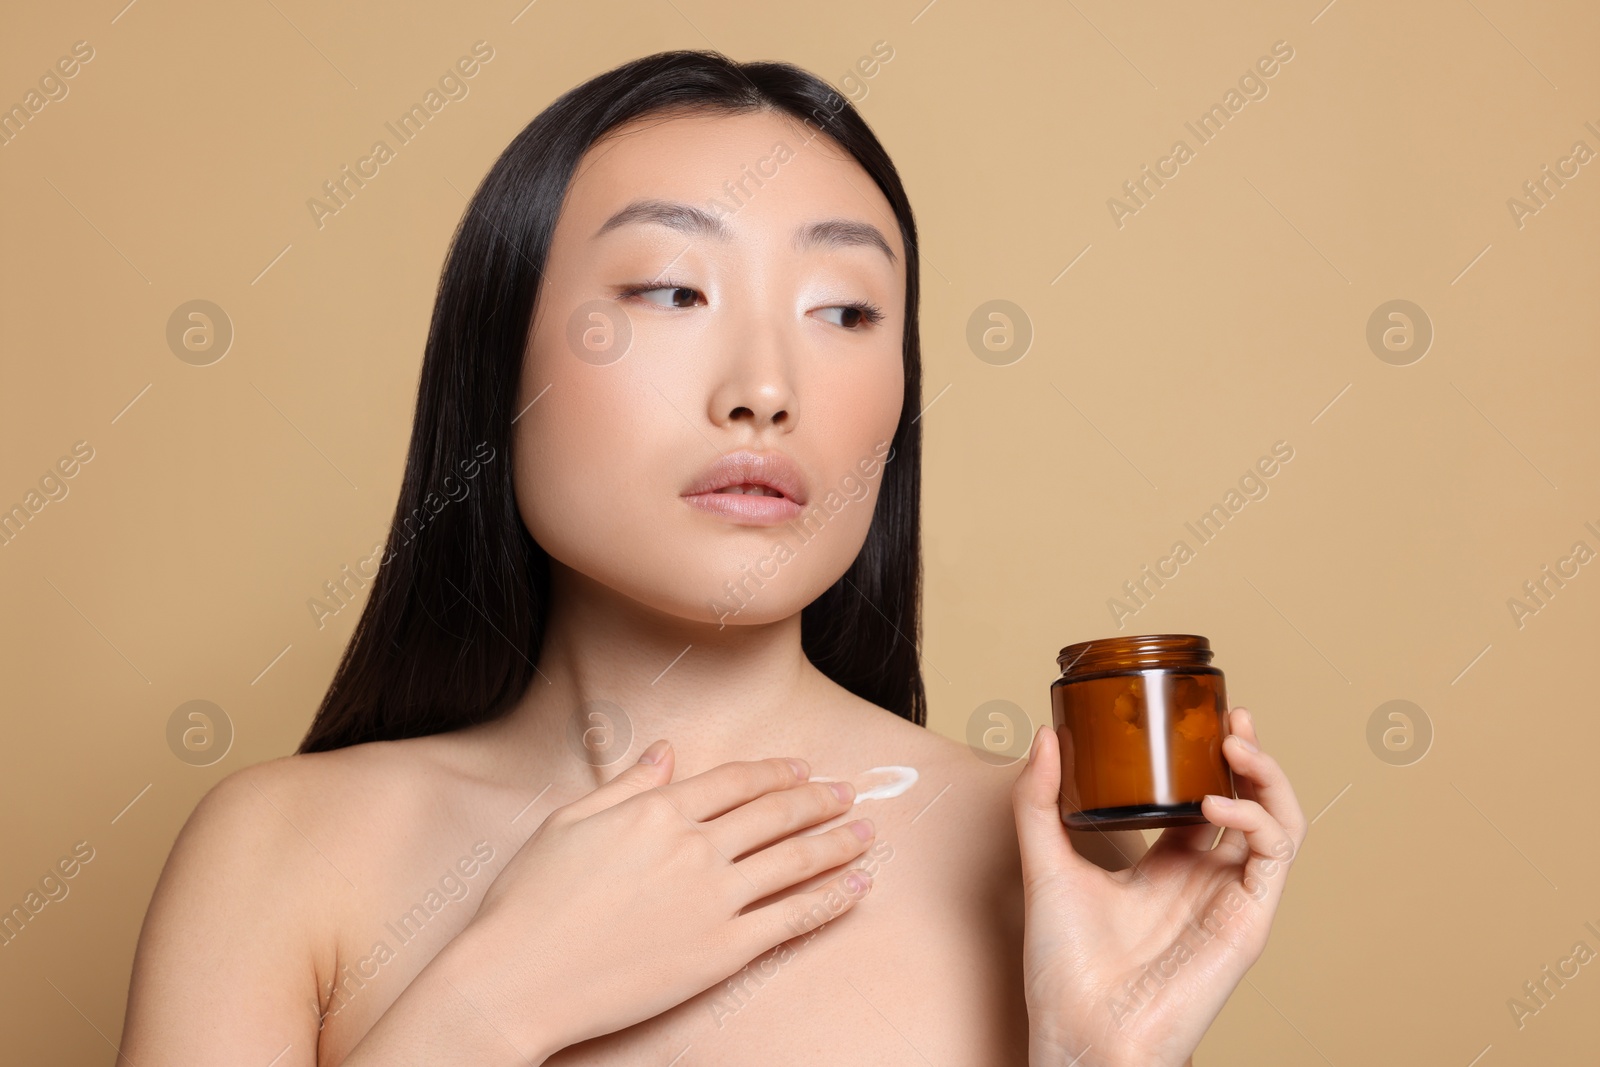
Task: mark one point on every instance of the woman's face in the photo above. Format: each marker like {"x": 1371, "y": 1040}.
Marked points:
{"x": 746, "y": 337}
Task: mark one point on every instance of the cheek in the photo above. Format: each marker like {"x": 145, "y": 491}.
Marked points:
{"x": 860, "y": 412}
{"x": 851, "y": 433}
{"x": 597, "y": 480}
{"x": 584, "y": 475}
{"x": 575, "y": 468}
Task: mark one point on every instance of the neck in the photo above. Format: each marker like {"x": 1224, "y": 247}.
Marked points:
{"x": 614, "y": 675}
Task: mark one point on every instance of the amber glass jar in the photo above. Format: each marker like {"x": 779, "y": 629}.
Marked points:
{"x": 1140, "y": 721}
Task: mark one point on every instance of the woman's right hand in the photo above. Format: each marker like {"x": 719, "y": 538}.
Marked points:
{"x": 627, "y": 901}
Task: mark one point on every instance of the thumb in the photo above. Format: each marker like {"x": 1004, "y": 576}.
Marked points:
{"x": 1041, "y": 835}
{"x": 653, "y": 769}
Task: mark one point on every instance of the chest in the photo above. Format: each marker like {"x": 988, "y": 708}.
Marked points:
{"x": 913, "y": 975}
{"x": 889, "y": 988}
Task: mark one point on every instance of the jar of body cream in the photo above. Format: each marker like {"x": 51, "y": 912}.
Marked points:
{"x": 1140, "y": 721}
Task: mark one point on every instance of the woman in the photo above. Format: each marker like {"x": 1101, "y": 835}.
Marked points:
{"x": 663, "y": 487}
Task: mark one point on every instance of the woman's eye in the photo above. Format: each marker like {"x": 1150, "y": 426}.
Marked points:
{"x": 675, "y": 295}
{"x": 852, "y": 316}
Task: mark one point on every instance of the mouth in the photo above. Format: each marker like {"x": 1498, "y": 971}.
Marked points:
{"x": 748, "y": 503}
{"x": 751, "y": 488}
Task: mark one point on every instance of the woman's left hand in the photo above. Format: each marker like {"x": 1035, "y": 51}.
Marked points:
{"x": 1132, "y": 966}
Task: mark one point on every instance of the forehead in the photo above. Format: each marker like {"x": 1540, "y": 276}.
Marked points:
{"x": 752, "y": 170}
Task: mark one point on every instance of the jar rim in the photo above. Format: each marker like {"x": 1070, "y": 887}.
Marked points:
{"x": 1138, "y": 651}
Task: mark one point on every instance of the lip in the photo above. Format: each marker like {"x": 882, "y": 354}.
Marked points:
{"x": 773, "y": 470}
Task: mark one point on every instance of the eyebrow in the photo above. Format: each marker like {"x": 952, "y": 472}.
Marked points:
{"x": 686, "y": 218}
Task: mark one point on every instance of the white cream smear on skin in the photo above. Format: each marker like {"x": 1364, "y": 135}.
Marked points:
{"x": 879, "y": 783}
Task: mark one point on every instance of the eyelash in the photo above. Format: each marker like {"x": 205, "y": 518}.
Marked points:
{"x": 869, "y": 312}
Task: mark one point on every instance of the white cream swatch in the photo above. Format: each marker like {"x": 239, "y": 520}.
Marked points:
{"x": 878, "y": 783}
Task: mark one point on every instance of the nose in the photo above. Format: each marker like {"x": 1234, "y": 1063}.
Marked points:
{"x": 763, "y": 409}
{"x": 758, "y": 387}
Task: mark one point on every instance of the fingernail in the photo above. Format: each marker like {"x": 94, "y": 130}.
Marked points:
{"x": 654, "y": 753}
{"x": 1222, "y": 801}
{"x": 1241, "y": 739}
{"x": 800, "y": 768}
{"x": 856, "y": 881}
{"x": 841, "y": 790}
{"x": 862, "y": 828}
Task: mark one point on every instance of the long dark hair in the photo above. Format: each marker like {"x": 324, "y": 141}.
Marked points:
{"x": 454, "y": 622}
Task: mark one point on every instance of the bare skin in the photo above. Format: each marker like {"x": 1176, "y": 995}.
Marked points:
{"x": 929, "y": 962}
{"x": 277, "y": 927}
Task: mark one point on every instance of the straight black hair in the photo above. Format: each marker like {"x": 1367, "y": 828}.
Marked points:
{"x": 455, "y": 619}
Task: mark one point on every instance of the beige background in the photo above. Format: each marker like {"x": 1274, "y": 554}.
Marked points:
{"x": 1227, "y": 314}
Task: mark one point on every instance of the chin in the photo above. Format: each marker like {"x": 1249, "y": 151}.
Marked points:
{"x": 717, "y": 600}
{"x": 721, "y": 574}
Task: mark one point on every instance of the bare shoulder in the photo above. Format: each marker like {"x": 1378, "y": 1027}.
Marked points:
{"x": 230, "y": 931}
{"x": 955, "y": 820}
{"x": 260, "y": 819}
{"x": 967, "y": 794}
{"x": 241, "y": 924}
{"x": 307, "y": 815}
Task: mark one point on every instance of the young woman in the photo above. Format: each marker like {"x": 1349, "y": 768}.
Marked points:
{"x": 637, "y": 687}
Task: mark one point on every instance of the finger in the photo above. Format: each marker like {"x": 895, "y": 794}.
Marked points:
{"x": 653, "y": 769}
{"x": 712, "y": 794}
{"x": 799, "y": 913}
{"x": 1242, "y": 724}
{"x": 792, "y": 861}
{"x": 1241, "y": 721}
{"x": 1047, "y": 853}
{"x": 1259, "y": 835}
{"x": 776, "y": 815}
{"x": 1262, "y": 779}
